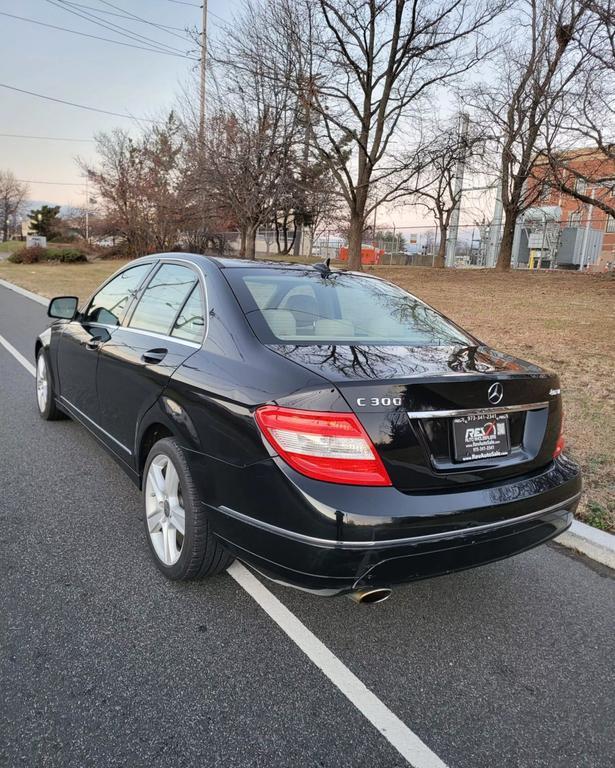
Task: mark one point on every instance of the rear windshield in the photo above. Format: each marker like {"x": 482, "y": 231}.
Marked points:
{"x": 292, "y": 306}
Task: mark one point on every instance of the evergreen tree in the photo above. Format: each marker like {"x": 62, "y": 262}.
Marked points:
{"x": 44, "y": 221}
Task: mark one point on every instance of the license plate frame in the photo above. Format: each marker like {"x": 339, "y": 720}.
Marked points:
{"x": 481, "y": 436}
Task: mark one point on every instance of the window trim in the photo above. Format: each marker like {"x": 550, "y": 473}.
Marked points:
{"x": 181, "y": 309}
{"x": 139, "y": 295}
{"x": 609, "y": 228}
{"x": 200, "y": 281}
{"x": 153, "y": 263}
{"x": 82, "y": 315}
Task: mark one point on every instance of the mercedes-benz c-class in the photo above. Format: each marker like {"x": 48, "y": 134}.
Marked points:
{"x": 325, "y": 427}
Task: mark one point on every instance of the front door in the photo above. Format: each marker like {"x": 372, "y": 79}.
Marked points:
{"x": 82, "y": 339}
{"x": 164, "y": 329}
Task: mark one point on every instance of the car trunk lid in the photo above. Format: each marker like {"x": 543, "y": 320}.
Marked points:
{"x": 427, "y": 410}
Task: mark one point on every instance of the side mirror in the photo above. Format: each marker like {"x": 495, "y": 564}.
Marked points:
{"x": 63, "y": 307}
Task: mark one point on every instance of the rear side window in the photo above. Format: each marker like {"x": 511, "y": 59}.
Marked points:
{"x": 302, "y": 307}
{"x": 110, "y": 303}
{"x": 190, "y": 324}
{"x": 163, "y": 298}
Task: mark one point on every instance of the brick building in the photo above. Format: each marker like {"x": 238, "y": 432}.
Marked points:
{"x": 590, "y": 164}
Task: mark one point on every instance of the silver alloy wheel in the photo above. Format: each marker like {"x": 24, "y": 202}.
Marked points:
{"x": 42, "y": 385}
{"x": 166, "y": 517}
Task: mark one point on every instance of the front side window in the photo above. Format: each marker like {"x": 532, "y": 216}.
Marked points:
{"x": 163, "y": 298}
{"x": 190, "y": 323}
{"x": 301, "y": 307}
{"x": 110, "y": 303}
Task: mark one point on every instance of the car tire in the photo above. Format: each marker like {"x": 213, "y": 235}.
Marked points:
{"x": 45, "y": 395}
{"x": 177, "y": 529}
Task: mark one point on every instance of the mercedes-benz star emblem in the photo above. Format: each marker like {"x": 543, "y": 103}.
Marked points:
{"x": 495, "y": 393}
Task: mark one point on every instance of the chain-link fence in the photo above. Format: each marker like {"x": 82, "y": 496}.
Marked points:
{"x": 538, "y": 244}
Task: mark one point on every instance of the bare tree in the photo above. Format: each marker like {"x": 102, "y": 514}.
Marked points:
{"x": 141, "y": 185}
{"x": 12, "y": 196}
{"x": 251, "y": 141}
{"x": 242, "y": 173}
{"x": 535, "y": 70}
{"x": 365, "y": 69}
{"x": 435, "y": 188}
{"x": 580, "y": 145}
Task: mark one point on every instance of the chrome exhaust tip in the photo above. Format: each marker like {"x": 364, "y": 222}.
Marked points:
{"x": 370, "y": 596}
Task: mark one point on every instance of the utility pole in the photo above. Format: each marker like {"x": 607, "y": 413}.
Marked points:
{"x": 203, "y": 71}
{"x": 495, "y": 229}
{"x": 201, "y": 135}
{"x": 453, "y": 232}
{"x": 300, "y": 223}
{"x": 87, "y": 209}
{"x": 586, "y": 233}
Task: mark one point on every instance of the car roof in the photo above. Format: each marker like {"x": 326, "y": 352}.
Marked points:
{"x": 226, "y": 262}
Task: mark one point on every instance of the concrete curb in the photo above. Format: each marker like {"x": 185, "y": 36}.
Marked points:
{"x": 591, "y": 542}
{"x": 28, "y": 294}
{"x": 596, "y": 544}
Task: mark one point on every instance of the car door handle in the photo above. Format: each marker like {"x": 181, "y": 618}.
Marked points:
{"x": 154, "y": 355}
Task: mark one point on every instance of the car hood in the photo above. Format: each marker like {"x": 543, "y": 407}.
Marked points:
{"x": 339, "y": 363}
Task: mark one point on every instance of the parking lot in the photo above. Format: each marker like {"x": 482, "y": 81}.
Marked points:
{"x": 105, "y": 663}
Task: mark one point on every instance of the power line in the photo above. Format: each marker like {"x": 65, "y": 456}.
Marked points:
{"x": 42, "y": 138}
{"x": 79, "y": 106}
{"x": 141, "y": 19}
{"x": 115, "y": 28}
{"x": 54, "y": 183}
{"x": 121, "y": 15}
{"x": 95, "y": 37}
{"x": 194, "y": 5}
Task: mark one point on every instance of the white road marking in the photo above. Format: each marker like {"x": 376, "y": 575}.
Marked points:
{"x": 23, "y": 292}
{"x": 397, "y": 733}
{"x": 18, "y": 356}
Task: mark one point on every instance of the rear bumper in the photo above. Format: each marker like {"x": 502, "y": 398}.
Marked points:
{"x": 400, "y": 537}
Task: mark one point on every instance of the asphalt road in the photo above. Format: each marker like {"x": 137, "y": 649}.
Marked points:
{"x": 105, "y": 663}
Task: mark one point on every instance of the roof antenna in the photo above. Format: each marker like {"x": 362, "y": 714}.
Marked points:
{"x": 323, "y": 267}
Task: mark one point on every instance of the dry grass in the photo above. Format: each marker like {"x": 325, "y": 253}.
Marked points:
{"x": 560, "y": 320}
{"x": 55, "y": 279}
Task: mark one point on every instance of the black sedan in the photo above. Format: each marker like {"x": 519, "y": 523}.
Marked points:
{"x": 325, "y": 427}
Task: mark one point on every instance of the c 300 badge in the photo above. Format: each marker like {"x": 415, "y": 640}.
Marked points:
{"x": 362, "y": 402}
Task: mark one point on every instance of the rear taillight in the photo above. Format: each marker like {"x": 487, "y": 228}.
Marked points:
{"x": 560, "y": 444}
{"x": 326, "y": 446}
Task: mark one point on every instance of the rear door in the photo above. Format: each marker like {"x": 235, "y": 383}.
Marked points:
{"x": 165, "y": 327}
